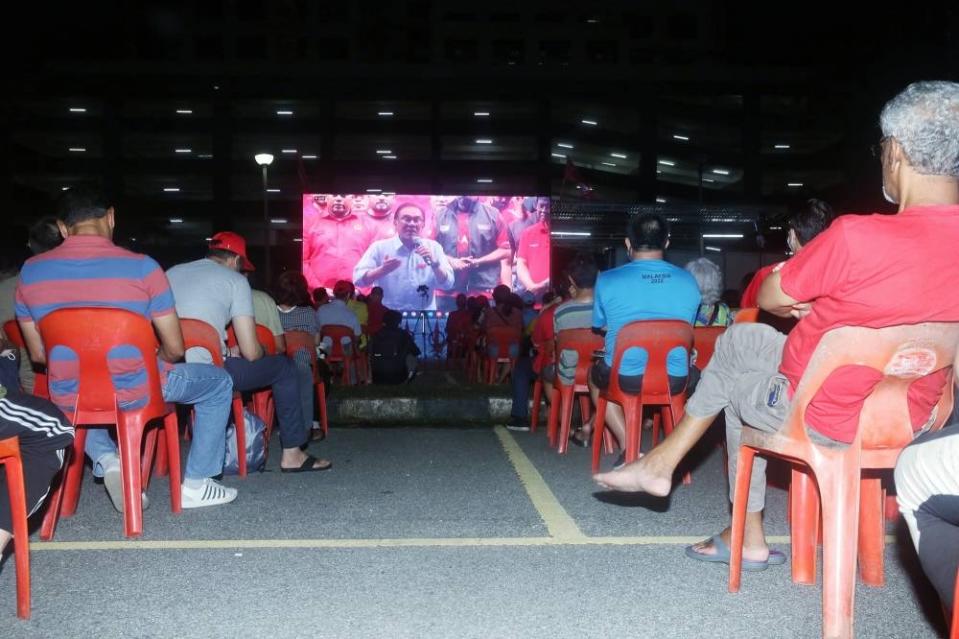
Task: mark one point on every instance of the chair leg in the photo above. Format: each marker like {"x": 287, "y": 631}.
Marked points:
{"x": 162, "y": 467}
{"x": 239, "y": 424}
{"x": 657, "y": 424}
{"x": 565, "y": 418}
{"x": 839, "y": 488}
{"x": 537, "y": 398}
{"x": 744, "y": 472}
{"x": 633, "y": 416}
{"x": 74, "y": 475}
{"x": 21, "y": 539}
{"x": 803, "y": 525}
{"x": 872, "y": 531}
{"x": 552, "y": 422}
{"x": 321, "y": 402}
{"x": 129, "y": 441}
{"x": 150, "y": 445}
{"x": 668, "y": 423}
{"x": 172, "y": 440}
{"x": 954, "y": 630}
{"x": 599, "y": 426}
{"x": 585, "y": 407}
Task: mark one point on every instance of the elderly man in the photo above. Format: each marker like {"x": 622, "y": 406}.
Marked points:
{"x": 876, "y": 270}
{"x": 403, "y": 265}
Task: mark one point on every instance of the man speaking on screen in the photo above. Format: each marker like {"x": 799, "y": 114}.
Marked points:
{"x": 408, "y": 267}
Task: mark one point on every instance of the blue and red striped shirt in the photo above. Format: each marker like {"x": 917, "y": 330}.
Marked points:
{"x": 91, "y": 271}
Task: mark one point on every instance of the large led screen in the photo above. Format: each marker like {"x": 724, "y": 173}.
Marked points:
{"x": 424, "y": 250}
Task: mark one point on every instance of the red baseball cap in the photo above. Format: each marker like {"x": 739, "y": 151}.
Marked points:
{"x": 234, "y": 243}
{"x": 343, "y": 287}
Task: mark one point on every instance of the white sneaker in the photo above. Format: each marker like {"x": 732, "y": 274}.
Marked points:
{"x": 113, "y": 482}
{"x": 211, "y": 493}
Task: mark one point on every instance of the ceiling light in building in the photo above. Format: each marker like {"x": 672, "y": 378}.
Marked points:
{"x": 288, "y": 151}
{"x": 384, "y": 114}
{"x": 570, "y": 233}
{"x": 273, "y": 190}
{"x": 308, "y": 157}
{"x": 722, "y": 236}
{"x": 794, "y": 185}
{"x": 608, "y": 163}
{"x": 782, "y": 146}
{"x": 64, "y": 188}
{"x": 297, "y": 239}
{"x": 77, "y": 149}
{"x": 388, "y": 157}
{"x": 184, "y": 111}
{"x": 590, "y": 122}
{"x": 183, "y": 150}
{"x": 78, "y": 110}
{"x": 710, "y": 180}
{"x": 661, "y": 200}
{"x": 666, "y": 162}
{"x": 278, "y": 220}
{"x": 621, "y": 156}
{"x": 373, "y": 190}
{"x": 558, "y": 155}
{"x": 681, "y": 138}
{"x": 481, "y": 114}
{"x": 483, "y": 141}
{"x": 383, "y": 152}
{"x": 171, "y": 189}
{"x": 176, "y": 220}
{"x": 205, "y": 156}
{"x": 775, "y": 228}
{"x": 484, "y": 180}
{"x": 284, "y": 112}
{"x": 658, "y": 172}
{"x": 592, "y": 21}
{"x": 721, "y": 171}
{"x": 564, "y": 145}
{"x": 713, "y": 248}
{"x": 263, "y": 159}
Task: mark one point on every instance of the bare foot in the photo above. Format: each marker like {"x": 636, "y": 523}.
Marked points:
{"x": 641, "y": 476}
{"x": 294, "y": 458}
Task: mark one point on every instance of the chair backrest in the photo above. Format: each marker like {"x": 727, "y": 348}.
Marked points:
{"x": 902, "y": 354}
{"x": 263, "y": 335}
{"x": 336, "y": 333}
{"x": 305, "y": 341}
{"x": 704, "y": 340}
{"x": 100, "y": 338}
{"x": 584, "y": 342}
{"x": 502, "y": 337}
{"x": 746, "y": 315}
{"x": 199, "y": 334}
{"x": 657, "y": 338}
{"x": 12, "y": 330}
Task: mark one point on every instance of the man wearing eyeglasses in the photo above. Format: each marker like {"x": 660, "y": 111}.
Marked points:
{"x": 402, "y": 265}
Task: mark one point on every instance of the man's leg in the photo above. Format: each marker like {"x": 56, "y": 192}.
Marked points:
{"x": 520, "y": 383}
{"x": 279, "y": 373}
{"x": 743, "y": 350}
{"x": 209, "y": 390}
{"x": 927, "y": 487}
{"x": 304, "y": 372}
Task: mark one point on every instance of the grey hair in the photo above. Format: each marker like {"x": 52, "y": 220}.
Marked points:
{"x": 924, "y": 118}
{"x": 709, "y": 278}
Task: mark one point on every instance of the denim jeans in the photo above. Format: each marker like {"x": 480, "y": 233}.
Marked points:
{"x": 209, "y": 389}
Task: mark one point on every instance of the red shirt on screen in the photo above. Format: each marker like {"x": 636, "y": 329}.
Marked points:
{"x": 873, "y": 271}
{"x": 332, "y": 247}
{"x": 533, "y": 247}
{"x": 751, "y": 294}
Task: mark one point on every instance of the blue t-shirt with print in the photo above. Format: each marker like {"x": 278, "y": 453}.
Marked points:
{"x": 644, "y": 290}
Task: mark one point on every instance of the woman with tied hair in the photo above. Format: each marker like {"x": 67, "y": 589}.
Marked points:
{"x": 709, "y": 278}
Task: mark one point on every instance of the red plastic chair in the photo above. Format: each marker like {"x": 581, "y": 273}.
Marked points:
{"x": 262, "y": 400}
{"x": 903, "y": 354}
{"x": 500, "y": 339}
{"x": 338, "y": 354}
{"x": 954, "y": 631}
{"x": 746, "y": 315}
{"x": 199, "y": 334}
{"x": 657, "y": 337}
{"x": 303, "y": 341}
{"x": 704, "y": 341}
{"x": 584, "y": 342}
{"x": 10, "y": 458}
{"x": 12, "y": 330}
{"x": 549, "y": 357}
{"x": 91, "y": 333}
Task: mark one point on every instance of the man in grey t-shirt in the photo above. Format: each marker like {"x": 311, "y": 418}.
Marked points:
{"x": 214, "y": 290}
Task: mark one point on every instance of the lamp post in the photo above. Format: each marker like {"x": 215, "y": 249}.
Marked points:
{"x": 265, "y": 160}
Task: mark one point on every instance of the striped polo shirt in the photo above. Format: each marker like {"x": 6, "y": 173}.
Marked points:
{"x": 91, "y": 271}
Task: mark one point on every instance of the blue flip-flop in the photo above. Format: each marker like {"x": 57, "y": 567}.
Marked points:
{"x": 776, "y": 558}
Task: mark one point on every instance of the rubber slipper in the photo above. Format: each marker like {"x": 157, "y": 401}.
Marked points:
{"x": 576, "y": 441}
{"x": 307, "y": 466}
{"x": 721, "y": 556}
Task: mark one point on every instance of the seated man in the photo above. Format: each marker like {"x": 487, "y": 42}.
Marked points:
{"x": 375, "y": 310}
{"x": 88, "y": 269}
{"x": 393, "y": 352}
{"x": 876, "y": 270}
{"x": 648, "y": 288}
{"x": 44, "y": 433}
{"x": 337, "y": 313}
{"x": 213, "y": 290}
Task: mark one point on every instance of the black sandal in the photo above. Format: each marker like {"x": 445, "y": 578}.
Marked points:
{"x": 576, "y": 441}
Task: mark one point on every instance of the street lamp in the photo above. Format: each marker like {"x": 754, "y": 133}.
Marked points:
{"x": 265, "y": 160}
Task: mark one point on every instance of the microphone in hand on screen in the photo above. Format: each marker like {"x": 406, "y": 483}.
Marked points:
{"x": 426, "y": 258}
